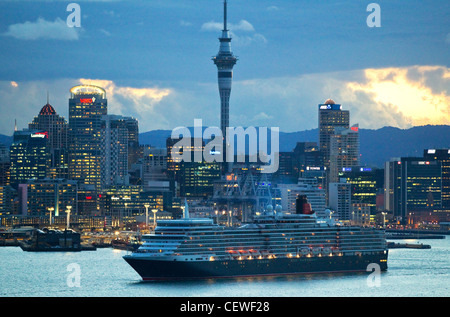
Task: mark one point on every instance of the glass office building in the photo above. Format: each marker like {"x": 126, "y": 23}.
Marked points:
{"x": 29, "y": 155}
{"x": 87, "y": 105}
{"x": 412, "y": 184}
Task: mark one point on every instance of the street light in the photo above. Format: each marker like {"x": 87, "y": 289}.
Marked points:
{"x": 146, "y": 214}
{"x": 50, "y": 209}
{"x": 68, "y": 216}
{"x": 154, "y": 217}
{"x": 384, "y": 218}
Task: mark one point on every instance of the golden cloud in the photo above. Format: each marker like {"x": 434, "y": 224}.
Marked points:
{"x": 142, "y": 98}
{"x": 408, "y": 92}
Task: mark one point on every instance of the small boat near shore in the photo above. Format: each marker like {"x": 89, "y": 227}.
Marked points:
{"x": 393, "y": 245}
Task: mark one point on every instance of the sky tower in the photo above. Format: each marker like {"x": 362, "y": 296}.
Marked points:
{"x": 225, "y": 60}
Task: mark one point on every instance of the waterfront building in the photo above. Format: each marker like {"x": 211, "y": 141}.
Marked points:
{"x": 365, "y": 182}
{"x": 88, "y": 201}
{"x": 124, "y": 204}
{"x": 120, "y": 202}
{"x": 340, "y": 200}
{"x": 361, "y": 213}
{"x": 412, "y": 183}
{"x": 57, "y": 194}
{"x": 443, "y": 156}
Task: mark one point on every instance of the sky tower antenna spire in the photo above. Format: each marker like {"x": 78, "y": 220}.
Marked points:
{"x": 225, "y": 26}
{"x": 225, "y": 61}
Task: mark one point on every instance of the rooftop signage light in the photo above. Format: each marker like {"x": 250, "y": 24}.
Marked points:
{"x": 88, "y": 90}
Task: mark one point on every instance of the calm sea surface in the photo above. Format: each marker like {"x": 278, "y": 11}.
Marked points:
{"x": 103, "y": 273}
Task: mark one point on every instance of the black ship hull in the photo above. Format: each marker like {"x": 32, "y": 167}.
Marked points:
{"x": 154, "y": 270}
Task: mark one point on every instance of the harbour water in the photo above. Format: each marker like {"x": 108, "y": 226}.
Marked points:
{"x": 103, "y": 273}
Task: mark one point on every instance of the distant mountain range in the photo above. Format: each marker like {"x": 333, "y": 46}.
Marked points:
{"x": 376, "y": 146}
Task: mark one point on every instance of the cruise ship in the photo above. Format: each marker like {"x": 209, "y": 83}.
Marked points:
{"x": 273, "y": 244}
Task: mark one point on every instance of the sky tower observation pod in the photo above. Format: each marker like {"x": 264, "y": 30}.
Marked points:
{"x": 87, "y": 90}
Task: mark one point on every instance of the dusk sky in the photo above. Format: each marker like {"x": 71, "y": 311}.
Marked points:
{"x": 154, "y": 60}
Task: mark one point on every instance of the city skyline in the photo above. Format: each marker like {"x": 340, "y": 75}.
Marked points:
{"x": 356, "y": 97}
{"x": 348, "y": 62}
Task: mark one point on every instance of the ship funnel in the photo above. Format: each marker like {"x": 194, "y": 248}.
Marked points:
{"x": 186, "y": 210}
{"x": 302, "y": 206}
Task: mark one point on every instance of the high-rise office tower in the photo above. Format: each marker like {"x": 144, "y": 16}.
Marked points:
{"x": 174, "y": 162}
{"x": 6, "y": 200}
{"x": 307, "y": 154}
{"x": 412, "y": 184}
{"x": 154, "y": 168}
{"x": 366, "y": 183}
{"x": 340, "y": 200}
{"x": 287, "y": 167}
{"x": 331, "y": 116}
{"x": 114, "y": 166}
{"x": 57, "y": 130}
{"x": 197, "y": 178}
{"x": 344, "y": 151}
{"x": 87, "y": 105}
{"x": 4, "y": 165}
{"x": 56, "y": 193}
{"x": 29, "y": 156}
{"x": 225, "y": 61}
{"x": 56, "y": 126}
{"x": 443, "y": 156}
{"x": 134, "y": 151}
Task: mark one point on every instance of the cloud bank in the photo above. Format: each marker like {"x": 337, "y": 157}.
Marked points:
{"x": 399, "y": 96}
{"x": 411, "y": 96}
{"x": 250, "y": 36}
{"x": 43, "y": 29}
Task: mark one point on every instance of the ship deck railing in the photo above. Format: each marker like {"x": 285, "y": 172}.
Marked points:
{"x": 276, "y": 255}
